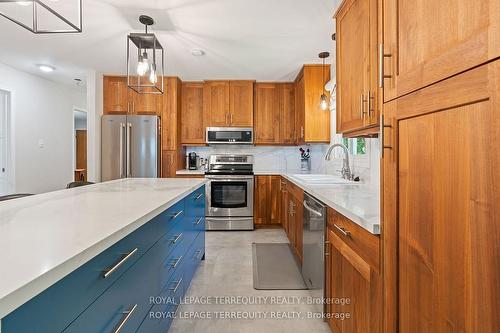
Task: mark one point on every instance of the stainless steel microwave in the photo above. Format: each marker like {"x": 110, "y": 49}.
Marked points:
{"x": 230, "y": 135}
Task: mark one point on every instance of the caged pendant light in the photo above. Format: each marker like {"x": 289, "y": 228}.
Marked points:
{"x": 324, "y": 98}
{"x": 44, "y": 16}
{"x": 145, "y": 61}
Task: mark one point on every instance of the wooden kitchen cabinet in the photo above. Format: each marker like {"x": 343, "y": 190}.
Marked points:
{"x": 192, "y": 117}
{"x": 353, "y": 279}
{"x": 295, "y": 217}
{"x": 312, "y": 123}
{"x": 145, "y": 104}
{"x": 228, "y": 103}
{"x": 116, "y": 95}
{"x": 288, "y": 134}
{"x": 267, "y": 201}
{"x": 284, "y": 205}
{"x": 241, "y": 103}
{"x": 427, "y": 41}
{"x": 356, "y": 46}
{"x": 441, "y": 200}
{"x": 267, "y": 114}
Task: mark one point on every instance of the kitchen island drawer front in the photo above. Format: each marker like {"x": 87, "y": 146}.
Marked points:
{"x": 55, "y": 308}
{"x": 364, "y": 243}
{"x": 195, "y": 203}
{"x": 171, "y": 218}
{"x": 195, "y": 254}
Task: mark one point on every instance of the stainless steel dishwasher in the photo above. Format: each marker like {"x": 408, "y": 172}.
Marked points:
{"x": 313, "y": 262}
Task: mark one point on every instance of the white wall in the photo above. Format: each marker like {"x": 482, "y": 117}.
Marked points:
{"x": 42, "y": 113}
{"x": 94, "y": 112}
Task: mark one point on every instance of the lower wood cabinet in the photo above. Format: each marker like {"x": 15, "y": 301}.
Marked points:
{"x": 113, "y": 289}
{"x": 295, "y": 196}
{"x": 267, "y": 201}
{"x": 353, "y": 280}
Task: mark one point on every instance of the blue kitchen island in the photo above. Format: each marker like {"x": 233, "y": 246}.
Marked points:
{"x": 110, "y": 257}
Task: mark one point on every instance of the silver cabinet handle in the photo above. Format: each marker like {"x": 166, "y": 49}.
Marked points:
{"x": 382, "y": 136}
{"x": 122, "y": 132}
{"x": 371, "y": 97}
{"x": 309, "y": 208}
{"x": 110, "y": 271}
{"x": 176, "y": 262}
{"x": 198, "y": 221}
{"x": 176, "y": 215}
{"x": 361, "y": 106}
{"x": 129, "y": 133}
{"x": 197, "y": 256}
{"x": 174, "y": 289}
{"x": 124, "y": 320}
{"x": 175, "y": 239}
{"x": 381, "y": 58}
{"x": 198, "y": 196}
{"x": 231, "y": 118}
{"x": 342, "y": 230}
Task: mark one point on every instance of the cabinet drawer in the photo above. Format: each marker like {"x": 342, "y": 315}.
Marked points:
{"x": 296, "y": 191}
{"x": 196, "y": 252}
{"x": 195, "y": 203}
{"x": 361, "y": 241}
{"x": 56, "y": 307}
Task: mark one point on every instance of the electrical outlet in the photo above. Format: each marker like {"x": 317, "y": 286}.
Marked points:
{"x": 41, "y": 143}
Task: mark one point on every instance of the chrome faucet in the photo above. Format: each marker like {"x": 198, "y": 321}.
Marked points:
{"x": 346, "y": 170}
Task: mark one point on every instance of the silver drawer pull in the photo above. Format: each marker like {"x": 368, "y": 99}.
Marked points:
{"x": 197, "y": 256}
{"x": 110, "y": 271}
{"x": 176, "y": 262}
{"x": 176, "y": 215}
{"x": 124, "y": 320}
{"x": 198, "y": 196}
{"x": 174, "y": 289}
{"x": 198, "y": 221}
{"x": 342, "y": 230}
{"x": 175, "y": 239}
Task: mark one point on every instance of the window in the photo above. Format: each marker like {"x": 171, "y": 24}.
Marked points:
{"x": 356, "y": 146}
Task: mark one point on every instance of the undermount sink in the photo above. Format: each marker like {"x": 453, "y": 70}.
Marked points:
{"x": 319, "y": 179}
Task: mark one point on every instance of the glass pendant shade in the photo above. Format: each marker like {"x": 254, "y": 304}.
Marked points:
{"x": 145, "y": 63}
{"x": 324, "y": 102}
{"x": 44, "y": 16}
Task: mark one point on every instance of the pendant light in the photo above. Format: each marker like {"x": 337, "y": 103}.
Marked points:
{"x": 324, "y": 98}
{"x": 144, "y": 73}
{"x": 33, "y": 15}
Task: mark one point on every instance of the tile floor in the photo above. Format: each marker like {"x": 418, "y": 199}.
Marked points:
{"x": 227, "y": 271}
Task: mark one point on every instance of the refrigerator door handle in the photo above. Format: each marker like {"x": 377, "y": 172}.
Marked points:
{"x": 129, "y": 131}
{"x": 122, "y": 132}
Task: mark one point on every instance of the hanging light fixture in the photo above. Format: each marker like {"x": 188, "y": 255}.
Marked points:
{"x": 142, "y": 67}
{"x": 324, "y": 98}
{"x": 44, "y": 16}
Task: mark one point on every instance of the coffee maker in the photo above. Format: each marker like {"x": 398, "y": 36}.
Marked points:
{"x": 192, "y": 161}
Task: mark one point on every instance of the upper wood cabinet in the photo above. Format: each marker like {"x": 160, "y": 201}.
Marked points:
{"x": 427, "y": 41}
{"x": 171, "y": 114}
{"x": 274, "y": 114}
{"x": 241, "y": 103}
{"x": 116, "y": 95}
{"x": 441, "y": 205}
{"x": 267, "y": 114}
{"x": 356, "y": 47}
{"x": 229, "y": 103}
{"x": 312, "y": 123}
{"x": 192, "y": 116}
{"x": 145, "y": 104}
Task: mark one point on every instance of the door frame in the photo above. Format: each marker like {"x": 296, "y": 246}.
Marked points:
{"x": 10, "y": 139}
{"x": 73, "y": 146}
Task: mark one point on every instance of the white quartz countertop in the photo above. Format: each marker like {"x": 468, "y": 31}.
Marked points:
{"x": 47, "y": 236}
{"x": 356, "y": 201}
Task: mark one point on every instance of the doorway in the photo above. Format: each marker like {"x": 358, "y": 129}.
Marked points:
{"x": 80, "y": 145}
{"x": 6, "y": 167}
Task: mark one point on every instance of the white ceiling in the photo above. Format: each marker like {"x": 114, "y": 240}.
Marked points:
{"x": 266, "y": 40}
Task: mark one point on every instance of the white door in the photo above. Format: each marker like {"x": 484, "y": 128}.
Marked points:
{"x": 4, "y": 104}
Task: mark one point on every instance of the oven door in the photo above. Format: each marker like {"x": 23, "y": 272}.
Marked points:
{"x": 229, "y": 196}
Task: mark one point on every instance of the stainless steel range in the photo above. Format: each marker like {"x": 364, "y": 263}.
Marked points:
{"x": 229, "y": 192}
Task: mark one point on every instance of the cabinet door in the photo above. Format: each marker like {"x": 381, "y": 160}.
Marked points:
{"x": 192, "y": 117}
{"x": 115, "y": 95}
{"x": 284, "y": 205}
{"x": 287, "y": 107}
{"x": 170, "y": 113}
{"x": 353, "y": 64}
{"x": 267, "y": 113}
{"x": 216, "y": 102}
{"x": 261, "y": 200}
{"x": 427, "y": 41}
{"x": 441, "y": 203}
{"x": 316, "y": 121}
{"x": 241, "y": 103}
{"x": 300, "y": 108}
{"x": 275, "y": 200}
{"x": 168, "y": 163}
{"x": 299, "y": 227}
{"x": 146, "y": 104}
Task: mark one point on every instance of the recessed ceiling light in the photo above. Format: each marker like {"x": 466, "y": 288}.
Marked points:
{"x": 46, "y": 68}
{"x": 197, "y": 52}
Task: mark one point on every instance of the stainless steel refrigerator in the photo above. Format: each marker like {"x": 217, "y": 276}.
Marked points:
{"x": 130, "y": 147}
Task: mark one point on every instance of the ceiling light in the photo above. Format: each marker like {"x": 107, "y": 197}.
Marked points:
{"x": 323, "y": 98}
{"x": 39, "y": 12}
{"x": 144, "y": 73}
{"x": 197, "y": 52}
{"x": 46, "y": 68}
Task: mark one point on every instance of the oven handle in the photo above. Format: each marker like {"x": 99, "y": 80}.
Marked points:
{"x": 229, "y": 178}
